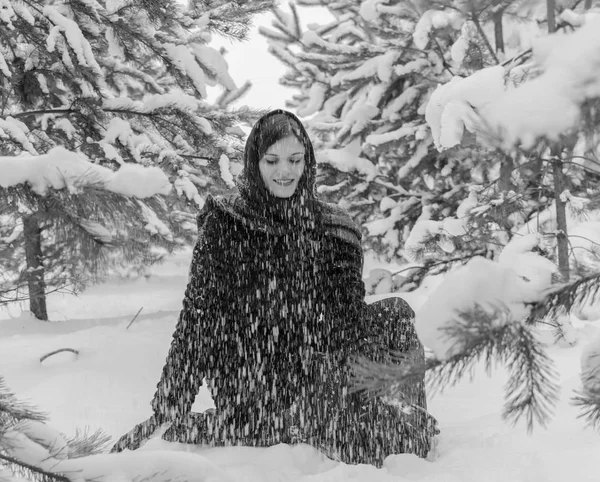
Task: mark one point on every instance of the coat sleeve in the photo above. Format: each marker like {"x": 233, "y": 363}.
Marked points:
{"x": 348, "y": 293}
{"x": 185, "y": 368}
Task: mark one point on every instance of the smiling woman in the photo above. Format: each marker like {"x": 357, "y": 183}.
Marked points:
{"x": 273, "y": 314}
{"x": 282, "y": 166}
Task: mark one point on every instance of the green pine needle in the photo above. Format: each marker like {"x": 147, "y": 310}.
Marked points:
{"x": 480, "y": 335}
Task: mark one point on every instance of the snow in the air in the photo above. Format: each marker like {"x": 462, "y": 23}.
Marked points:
{"x": 107, "y": 377}
{"x": 110, "y": 383}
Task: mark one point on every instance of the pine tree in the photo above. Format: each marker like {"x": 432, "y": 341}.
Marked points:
{"x": 118, "y": 83}
{"x": 365, "y": 84}
{"x": 367, "y": 78}
{"x": 542, "y": 133}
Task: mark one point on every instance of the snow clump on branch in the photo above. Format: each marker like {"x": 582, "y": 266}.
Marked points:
{"x": 546, "y": 106}
{"x": 519, "y": 278}
{"x": 62, "y": 169}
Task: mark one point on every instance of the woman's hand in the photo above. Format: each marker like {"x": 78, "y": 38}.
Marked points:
{"x": 138, "y": 435}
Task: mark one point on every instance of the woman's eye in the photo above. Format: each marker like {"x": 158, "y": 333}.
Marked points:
{"x": 270, "y": 160}
{"x": 295, "y": 160}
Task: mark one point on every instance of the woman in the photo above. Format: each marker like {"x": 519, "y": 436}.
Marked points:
{"x": 273, "y": 312}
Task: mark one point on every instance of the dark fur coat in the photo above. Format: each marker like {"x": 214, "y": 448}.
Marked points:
{"x": 259, "y": 306}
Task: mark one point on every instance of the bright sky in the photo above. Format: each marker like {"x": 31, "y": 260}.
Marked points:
{"x": 251, "y": 61}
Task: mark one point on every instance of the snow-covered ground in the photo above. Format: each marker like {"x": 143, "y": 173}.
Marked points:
{"x": 110, "y": 383}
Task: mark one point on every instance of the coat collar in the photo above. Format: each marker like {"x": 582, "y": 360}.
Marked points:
{"x": 331, "y": 219}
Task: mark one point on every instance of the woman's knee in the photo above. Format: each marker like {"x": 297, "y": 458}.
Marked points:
{"x": 392, "y": 325}
{"x": 393, "y": 305}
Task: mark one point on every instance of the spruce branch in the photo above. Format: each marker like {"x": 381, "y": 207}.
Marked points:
{"x": 532, "y": 390}
{"x": 35, "y": 472}
{"x": 84, "y": 443}
{"x": 564, "y": 297}
{"x": 588, "y": 401}
{"x": 430, "y": 264}
{"x": 491, "y": 336}
{"x": 13, "y": 409}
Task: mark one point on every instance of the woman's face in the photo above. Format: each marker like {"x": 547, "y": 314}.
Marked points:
{"x": 282, "y": 165}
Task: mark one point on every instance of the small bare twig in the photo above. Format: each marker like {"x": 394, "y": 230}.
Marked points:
{"x": 47, "y": 355}
{"x": 134, "y": 318}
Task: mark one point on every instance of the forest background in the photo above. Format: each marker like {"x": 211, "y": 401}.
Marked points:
{"x": 461, "y": 135}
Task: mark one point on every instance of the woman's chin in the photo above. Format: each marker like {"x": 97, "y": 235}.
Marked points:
{"x": 283, "y": 192}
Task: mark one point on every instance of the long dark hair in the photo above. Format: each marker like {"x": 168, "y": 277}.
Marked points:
{"x": 297, "y": 212}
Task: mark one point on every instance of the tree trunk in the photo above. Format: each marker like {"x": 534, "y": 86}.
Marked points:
{"x": 498, "y": 31}
{"x": 561, "y": 213}
{"x": 506, "y": 169}
{"x": 35, "y": 267}
{"x": 550, "y": 7}
{"x": 561, "y": 218}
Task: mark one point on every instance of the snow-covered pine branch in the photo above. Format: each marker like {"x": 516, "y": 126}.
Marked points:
{"x": 587, "y": 398}
{"x": 517, "y": 107}
{"x": 546, "y": 107}
{"x": 567, "y": 297}
{"x": 62, "y": 169}
{"x": 66, "y": 190}
{"x": 154, "y": 59}
{"x": 366, "y": 91}
{"x": 118, "y": 90}
{"x": 479, "y": 335}
{"x": 12, "y": 409}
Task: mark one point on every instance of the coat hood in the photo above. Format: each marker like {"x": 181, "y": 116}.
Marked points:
{"x": 299, "y": 215}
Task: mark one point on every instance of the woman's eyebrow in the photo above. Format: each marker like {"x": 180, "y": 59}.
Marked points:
{"x": 277, "y": 155}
